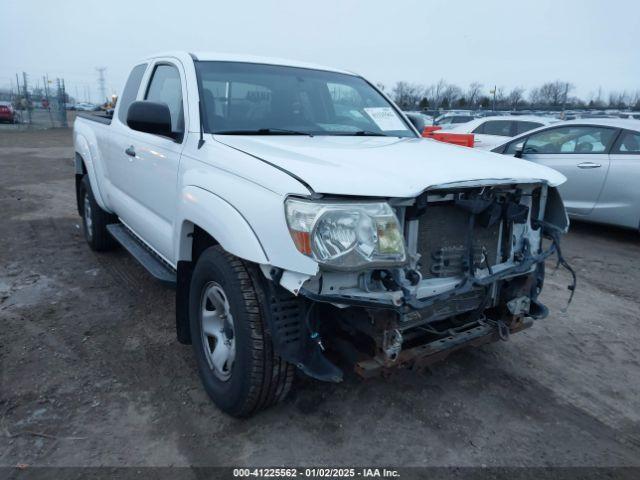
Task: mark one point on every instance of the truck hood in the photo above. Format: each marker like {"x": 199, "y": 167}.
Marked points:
{"x": 386, "y": 166}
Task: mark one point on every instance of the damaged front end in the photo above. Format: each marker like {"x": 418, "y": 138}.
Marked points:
{"x": 469, "y": 271}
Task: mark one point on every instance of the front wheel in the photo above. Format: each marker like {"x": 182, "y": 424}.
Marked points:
{"x": 234, "y": 352}
{"x": 95, "y": 220}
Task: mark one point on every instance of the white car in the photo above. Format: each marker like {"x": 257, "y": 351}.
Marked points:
{"x": 86, "y": 107}
{"x": 489, "y": 132}
{"x": 295, "y": 209}
{"x": 630, "y": 115}
{"x": 601, "y": 160}
{"x": 449, "y": 120}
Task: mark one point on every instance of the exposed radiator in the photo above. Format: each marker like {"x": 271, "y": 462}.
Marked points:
{"x": 442, "y": 238}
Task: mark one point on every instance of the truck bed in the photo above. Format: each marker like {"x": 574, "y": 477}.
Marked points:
{"x": 96, "y": 117}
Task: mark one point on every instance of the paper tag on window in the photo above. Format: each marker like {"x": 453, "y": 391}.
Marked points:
{"x": 386, "y": 119}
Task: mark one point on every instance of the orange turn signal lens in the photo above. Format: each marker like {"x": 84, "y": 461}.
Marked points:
{"x": 302, "y": 241}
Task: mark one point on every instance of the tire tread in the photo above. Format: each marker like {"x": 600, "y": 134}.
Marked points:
{"x": 102, "y": 240}
{"x": 270, "y": 377}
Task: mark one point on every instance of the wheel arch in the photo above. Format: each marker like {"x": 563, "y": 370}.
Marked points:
{"x": 202, "y": 212}
{"x": 84, "y": 165}
{"x": 81, "y": 171}
{"x": 204, "y": 220}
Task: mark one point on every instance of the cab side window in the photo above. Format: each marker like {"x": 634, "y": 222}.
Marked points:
{"x": 130, "y": 91}
{"x": 165, "y": 87}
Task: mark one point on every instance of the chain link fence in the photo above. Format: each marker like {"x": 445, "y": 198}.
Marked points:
{"x": 36, "y": 107}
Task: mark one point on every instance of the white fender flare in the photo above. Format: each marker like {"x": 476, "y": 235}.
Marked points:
{"x": 216, "y": 216}
{"x": 82, "y": 149}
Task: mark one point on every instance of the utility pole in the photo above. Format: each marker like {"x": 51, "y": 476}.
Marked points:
{"x": 45, "y": 81}
{"x": 495, "y": 87}
{"x": 63, "y": 112}
{"x": 101, "y": 84}
{"x": 18, "y": 84}
{"x": 26, "y": 96}
{"x": 61, "y": 107}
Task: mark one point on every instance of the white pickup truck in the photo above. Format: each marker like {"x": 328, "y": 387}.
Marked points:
{"x": 306, "y": 224}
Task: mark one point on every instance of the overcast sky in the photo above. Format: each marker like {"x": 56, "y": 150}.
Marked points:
{"x": 590, "y": 43}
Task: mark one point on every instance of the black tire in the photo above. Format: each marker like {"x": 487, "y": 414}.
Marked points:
{"x": 95, "y": 227}
{"x": 258, "y": 378}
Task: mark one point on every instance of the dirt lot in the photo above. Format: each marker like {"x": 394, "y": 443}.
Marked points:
{"x": 91, "y": 373}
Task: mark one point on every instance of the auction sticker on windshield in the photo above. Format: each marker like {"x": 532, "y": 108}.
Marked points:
{"x": 386, "y": 119}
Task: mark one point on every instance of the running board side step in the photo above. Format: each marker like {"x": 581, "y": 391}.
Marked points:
{"x": 156, "y": 266}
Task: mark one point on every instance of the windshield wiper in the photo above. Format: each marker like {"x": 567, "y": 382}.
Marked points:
{"x": 264, "y": 131}
{"x": 362, "y": 133}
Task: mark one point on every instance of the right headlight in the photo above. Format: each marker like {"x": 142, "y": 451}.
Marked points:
{"x": 346, "y": 235}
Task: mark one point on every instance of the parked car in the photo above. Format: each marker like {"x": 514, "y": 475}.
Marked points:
{"x": 419, "y": 120}
{"x": 593, "y": 115}
{"x": 87, "y": 107}
{"x": 601, "y": 160}
{"x": 427, "y": 119}
{"x": 8, "y": 113}
{"x": 630, "y": 115}
{"x": 448, "y": 120}
{"x": 297, "y": 212}
{"x": 489, "y": 132}
{"x": 489, "y": 113}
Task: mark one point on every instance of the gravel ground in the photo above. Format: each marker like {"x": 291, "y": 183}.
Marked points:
{"x": 91, "y": 372}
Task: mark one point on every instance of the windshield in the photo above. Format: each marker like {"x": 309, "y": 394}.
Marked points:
{"x": 249, "y": 98}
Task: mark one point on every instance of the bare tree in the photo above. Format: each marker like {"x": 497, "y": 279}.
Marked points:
{"x": 442, "y": 94}
{"x": 618, "y": 99}
{"x": 450, "y": 94}
{"x": 407, "y": 95}
{"x": 598, "y": 102}
{"x": 438, "y": 91}
{"x": 501, "y": 97}
{"x": 554, "y": 94}
{"x": 515, "y": 97}
{"x": 473, "y": 93}
{"x": 534, "y": 96}
{"x": 429, "y": 95}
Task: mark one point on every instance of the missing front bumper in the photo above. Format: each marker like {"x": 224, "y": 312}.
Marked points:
{"x": 426, "y": 354}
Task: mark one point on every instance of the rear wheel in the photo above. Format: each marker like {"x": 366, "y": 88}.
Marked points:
{"x": 95, "y": 220}
{"x": 234, "y": 352}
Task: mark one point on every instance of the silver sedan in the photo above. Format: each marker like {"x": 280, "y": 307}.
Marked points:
{"x": 601, "y": 160}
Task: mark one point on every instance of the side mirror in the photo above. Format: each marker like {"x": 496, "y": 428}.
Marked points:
{"x": 150, "y": 117}
{"x": 519, "y": 150}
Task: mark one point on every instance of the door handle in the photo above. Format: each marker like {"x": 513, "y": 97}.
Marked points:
{"x": 589, "y": 165}
{"x": 130, "y": 151}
